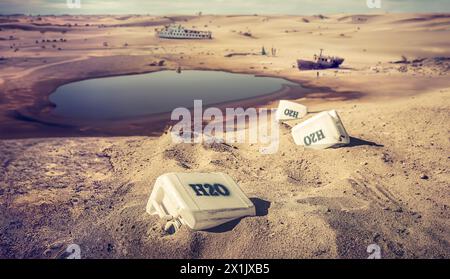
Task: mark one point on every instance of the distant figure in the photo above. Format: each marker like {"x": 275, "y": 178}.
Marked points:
{"x": 317, "y": 74}
{"x": 263, "y": 51}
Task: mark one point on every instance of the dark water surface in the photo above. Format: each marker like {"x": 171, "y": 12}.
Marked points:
{"x": 129, "y": 96}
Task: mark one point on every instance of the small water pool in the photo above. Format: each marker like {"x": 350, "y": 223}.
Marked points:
{"x": 128, "y": 96}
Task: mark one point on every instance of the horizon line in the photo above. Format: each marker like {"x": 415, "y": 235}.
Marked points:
{"x": 212, "y": 14}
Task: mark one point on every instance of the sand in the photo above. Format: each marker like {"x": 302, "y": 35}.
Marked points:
{"x": 68, "y": 182}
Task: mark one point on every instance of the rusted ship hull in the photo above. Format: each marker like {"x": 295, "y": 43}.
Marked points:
{"x": 311, "y": 65}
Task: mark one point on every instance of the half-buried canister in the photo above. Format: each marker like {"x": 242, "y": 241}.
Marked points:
{"x": 198, "y": 200}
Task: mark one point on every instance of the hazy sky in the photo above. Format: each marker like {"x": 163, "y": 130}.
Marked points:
{"x": 219, "y": 6}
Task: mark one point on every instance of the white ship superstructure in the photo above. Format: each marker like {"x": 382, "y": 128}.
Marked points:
{"x": 179, "y": 32}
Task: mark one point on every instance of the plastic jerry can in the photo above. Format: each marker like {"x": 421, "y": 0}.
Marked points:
{"x": 322, "y": 131}
{"x": 288, "y": 110}
{"x": 198, "y": 200}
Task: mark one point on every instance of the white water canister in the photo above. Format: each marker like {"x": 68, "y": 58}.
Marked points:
{"x": 288, "y": 110}
{"x": 322, "y": 131}
{"x": 198, "y": 200}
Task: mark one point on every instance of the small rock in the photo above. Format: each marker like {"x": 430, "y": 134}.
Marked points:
{"x": 424, "y": 176}
{"x": 185, "y": 165}
{"x": 110, "y": 247}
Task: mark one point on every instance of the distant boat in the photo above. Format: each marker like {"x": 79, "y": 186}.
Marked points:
{"x": 179, "y": 32}
{"x": 320, "y": 62}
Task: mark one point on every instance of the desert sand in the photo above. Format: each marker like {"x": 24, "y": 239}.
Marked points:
{"x": 64, "y": 182}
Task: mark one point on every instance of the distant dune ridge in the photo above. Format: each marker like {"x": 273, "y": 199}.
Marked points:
{"x": 64, "y": 181}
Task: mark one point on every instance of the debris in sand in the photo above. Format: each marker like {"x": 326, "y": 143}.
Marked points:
{"x": 404, "y": 60}
{"x": 319, "y": 16}
{"x": 403, "y": 69}
{"x": 385, "y": 157}
{"x": 199, "y": 200}
{"x": 288, "y": 110}
{"x": 438, "y": 65}
{"x": 321, "y": 131}
{"x": 159, "y": 63}
{"x": 246, "y": 34}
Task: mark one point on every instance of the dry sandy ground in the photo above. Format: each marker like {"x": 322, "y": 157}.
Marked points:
{"x": 389, "y": 187}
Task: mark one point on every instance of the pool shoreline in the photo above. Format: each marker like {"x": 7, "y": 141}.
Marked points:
{"x": 146, "y": 95}
{"x": 39, "y": 112}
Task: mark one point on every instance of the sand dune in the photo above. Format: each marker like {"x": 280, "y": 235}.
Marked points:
{"x": 31, "y": 27}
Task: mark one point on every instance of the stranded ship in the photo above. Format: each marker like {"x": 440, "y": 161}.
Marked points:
{"x": 179, "y": 32}
{"x": 320, "y": 62}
